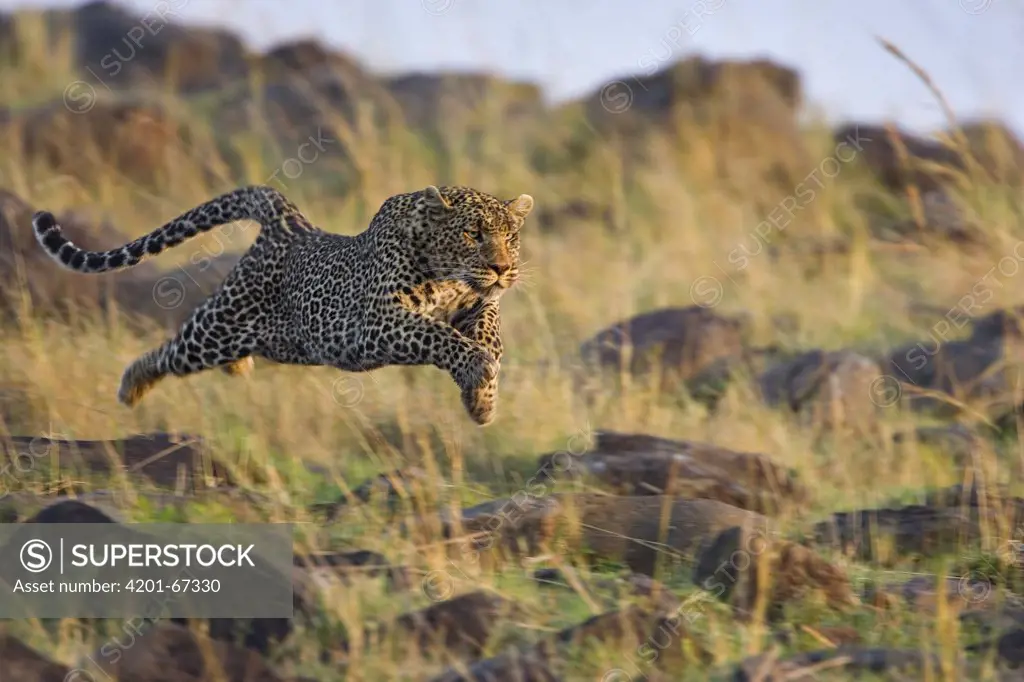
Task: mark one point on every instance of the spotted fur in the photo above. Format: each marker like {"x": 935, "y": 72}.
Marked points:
{"x": 420, "y": 286}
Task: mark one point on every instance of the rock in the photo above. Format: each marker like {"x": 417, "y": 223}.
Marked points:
{"x": 308, "y": 58}
{"x": 18, "y": 243}
{"x": 664, "y": 642}
{"x": 744, "y": 110}
{"x": 1007, "y": 323}
{"x": 981, "y": 371}
{"x": 628, "y": 529}
{"x": 728, "y": 567}
{"x": 428, "y": 99}
{"x": 172, "y": 461}
{"x": 930, "y": 167}
{"x": 680, "y": 342}
{"x": 29, "y": 278}
{"x": 888, "y": 533}
{"x": 347, "y": 566}
{"x": 928, "y": 161}
{"x": 64, "y": 512}
{"x": 806, "y": 667}
{"x": 603, "y": 527}
{"x": 657, "y": 638}
{"x": 958, "y": 441}
{"x": 244, "y": 506}
{"x": 143, "y": 294}
{"x": 1009, "y": 649}
{"x": 166, "y": 652}
{"x": 70, "y": 511}
{"x": 923, "y": 594}
{"x": 995, "y": 621}
{"x": 126, "y": 51}
{"x": 21, "y": 663}
{"x": 640, "y": 464}
{"x": 495, "y": 530}
{"x": 882, "y": 156}
{"x": 829, "y": 389}
{"x": 711, "y": 384}
{"x": 258, "y": 634}
{"x": 509, "y": 667}
{"x": 461, "y": 626}
{"x": 944, "y": 217}
{"x": 140, "y": 141}
{"x": 661, "y": 600}
{"x": 289, "y": 110}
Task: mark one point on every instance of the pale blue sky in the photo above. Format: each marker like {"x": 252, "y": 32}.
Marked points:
{"x": 571, "y": 46}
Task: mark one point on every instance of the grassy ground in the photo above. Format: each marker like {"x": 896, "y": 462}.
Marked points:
{"x": 675, "y": 225}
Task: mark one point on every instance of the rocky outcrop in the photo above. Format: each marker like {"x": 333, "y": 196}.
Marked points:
{"x": 639, "y": 464}
{"x": 675, "y": 343}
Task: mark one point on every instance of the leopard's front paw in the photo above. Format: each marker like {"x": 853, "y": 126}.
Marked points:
{"x": 481, "y": 404}
{"x": 480, "y": 388}
{"x": 134, "y": 385}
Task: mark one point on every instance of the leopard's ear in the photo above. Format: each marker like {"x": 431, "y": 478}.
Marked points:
{"x": 435, "y": 200}
{"x": 521, "y": 206}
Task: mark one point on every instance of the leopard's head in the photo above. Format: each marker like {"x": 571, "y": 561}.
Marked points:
{"x": 474, "y": 237}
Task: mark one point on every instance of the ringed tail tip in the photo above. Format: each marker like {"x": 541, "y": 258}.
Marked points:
{"x": 44, "y": 222}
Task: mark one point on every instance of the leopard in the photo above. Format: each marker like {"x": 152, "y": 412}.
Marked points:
{"x": 420, "y": 286}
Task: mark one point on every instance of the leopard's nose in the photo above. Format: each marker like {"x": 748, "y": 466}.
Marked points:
{"x": 500, "y": 268}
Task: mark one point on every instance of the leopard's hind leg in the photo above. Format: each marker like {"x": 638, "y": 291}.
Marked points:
{"x": 211, "y": 338}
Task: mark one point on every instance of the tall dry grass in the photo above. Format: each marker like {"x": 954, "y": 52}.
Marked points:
{"x": 674, "y": 224}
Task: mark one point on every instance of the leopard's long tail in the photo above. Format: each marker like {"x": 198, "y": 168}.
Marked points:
{"x": 260, "y": 203}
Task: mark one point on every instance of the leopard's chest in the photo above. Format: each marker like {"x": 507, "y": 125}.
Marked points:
{"x": 451, "y": 298}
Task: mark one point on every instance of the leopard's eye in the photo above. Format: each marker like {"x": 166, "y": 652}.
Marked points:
{"x": 472, "y": 233}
